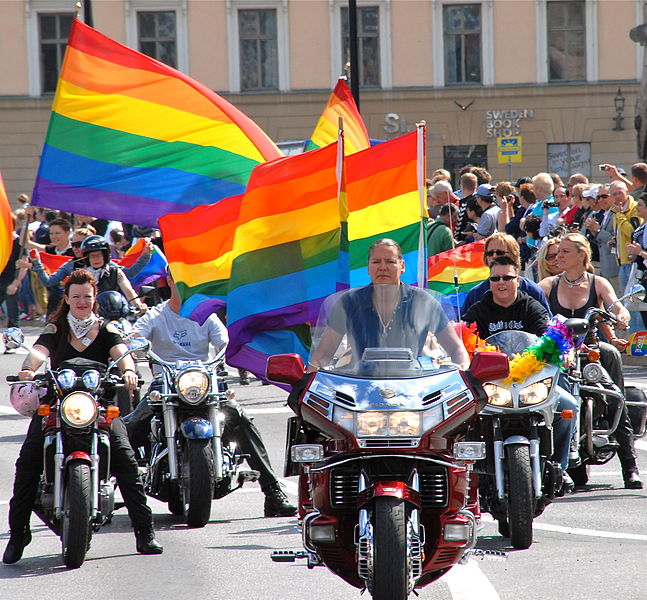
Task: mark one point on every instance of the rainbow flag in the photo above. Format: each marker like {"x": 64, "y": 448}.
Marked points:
{"x": 383, "y": 198}
{"x": 340, "y": 104}
{"x": 199, "y": 245}
{"x": 452, "y": 274}
{"x": 278, "y": 246}
{"x": 155, "y": 268}
{"x": 131, "y": 139}
{"x": 6, "y": 227}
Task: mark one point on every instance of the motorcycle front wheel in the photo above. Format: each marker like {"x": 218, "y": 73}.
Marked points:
{"x": 77, "y": 507}
{"x": 390, "y": 564}
{"x": 198, "y": 481}
{"x": 521, "y": 503}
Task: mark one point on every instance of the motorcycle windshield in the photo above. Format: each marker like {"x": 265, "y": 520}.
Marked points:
{"x": 380, "y": 331}
{"x": 512, "y": 342}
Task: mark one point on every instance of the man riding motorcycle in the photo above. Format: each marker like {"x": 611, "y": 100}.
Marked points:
{"x": 173, "y": 338}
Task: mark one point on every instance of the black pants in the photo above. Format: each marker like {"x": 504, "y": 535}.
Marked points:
{"x": 611, "y": 360}
{"x": 238, "y": 427}
{"x": 29, "y": 467}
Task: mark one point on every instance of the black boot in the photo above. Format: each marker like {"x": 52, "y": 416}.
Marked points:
{"x": 146, "y": 542}
{"x": 276, "y": 502}
{"x": 632, "y": 479}
{"x": 17, "y": 543}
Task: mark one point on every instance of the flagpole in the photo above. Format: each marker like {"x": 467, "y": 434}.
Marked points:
{"x": 354, "y": 54}
{"x": 421, "y": 129}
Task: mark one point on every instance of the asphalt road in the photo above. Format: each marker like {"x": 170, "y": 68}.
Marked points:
{"x": 591, "y": 545}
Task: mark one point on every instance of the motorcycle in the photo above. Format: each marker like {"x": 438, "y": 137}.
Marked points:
{"x": 76, "y": 491}
{"x": 191, "y": 461}
{"x": 601, "y": 400}
{"x": 387, "y": 499}
{"x": 518, "y": 479}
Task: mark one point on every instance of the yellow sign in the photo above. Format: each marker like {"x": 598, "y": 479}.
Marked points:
{"x": 509, "y": 149}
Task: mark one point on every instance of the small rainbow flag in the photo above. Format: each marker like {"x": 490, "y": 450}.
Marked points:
{"x": 155, "y": 268}
{"x": 131, "y": 139}
{"x": 53, "y": 262}
{"x": 340, "y": 104}
{"x": 452, "y": 274}
{"x": 6, "y": 227}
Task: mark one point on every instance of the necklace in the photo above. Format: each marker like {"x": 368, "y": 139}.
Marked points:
{"x": 572, "y": 284}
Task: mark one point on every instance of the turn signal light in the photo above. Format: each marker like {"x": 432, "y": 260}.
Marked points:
{"x": 567, "y": 414}
{"x": 594, "y": 355}
{"x": 112, "y": 412}
{"x": 44, "y": 410}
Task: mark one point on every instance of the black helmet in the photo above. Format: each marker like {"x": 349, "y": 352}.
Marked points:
{"x": 112, "y": 305}
{"x": 94, "y": 243}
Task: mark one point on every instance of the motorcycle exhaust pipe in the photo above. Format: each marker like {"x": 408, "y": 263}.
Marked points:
{"x": 170, "y": 427}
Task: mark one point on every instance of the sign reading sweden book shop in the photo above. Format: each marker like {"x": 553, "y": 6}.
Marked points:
{"x": 509, "y": 149}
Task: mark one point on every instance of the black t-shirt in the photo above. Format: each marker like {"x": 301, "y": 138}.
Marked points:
{"x": 525, "y": 314}
{"x": 98, "y": 350}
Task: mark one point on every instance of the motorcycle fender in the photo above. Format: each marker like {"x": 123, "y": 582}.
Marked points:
{"x": 78, "y": 455}
{"x": 393, "y": 489}
{"x": 197, "y": 429}
{"x": 516, "y": 439}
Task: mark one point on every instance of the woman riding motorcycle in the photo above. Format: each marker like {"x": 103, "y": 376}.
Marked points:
{"x": 76, "y": 331}
{"x": 570, "y": 294}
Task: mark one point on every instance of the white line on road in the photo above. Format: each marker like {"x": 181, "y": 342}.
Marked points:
{"x": 268, "y": 411}
{"x": 641, "y": 445}
{"x": 467, "y": 581}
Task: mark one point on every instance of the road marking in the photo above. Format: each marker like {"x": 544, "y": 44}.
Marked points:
{"x": 7, "y": 410}
{"x": 267, "y": 411}
{"x": 468, "y": 581}
{"x": 580, "y": 531}
{"x": 641, "y": 445}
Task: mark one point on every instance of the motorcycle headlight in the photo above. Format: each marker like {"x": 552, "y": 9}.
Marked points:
{"x": 66, "y": 379}
{"x": 79, "y": 409}
{"x": 91, "y": 379}
{"x": 536, "y": 392}
{"x": 378, "y": 423}
{"x": 192, "y": 386}
{"x": 497, "y": 396}
{"x": 592, "y": 372}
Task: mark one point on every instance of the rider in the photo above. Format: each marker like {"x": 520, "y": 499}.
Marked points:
{"x": 505, "y": 307}
{"x": 571, "y": 294}
{"x": 108, "y": 274}
{"x": 76, "y": 331}
{"x": 370, "y": 314}
{"x": 174, "y": 338}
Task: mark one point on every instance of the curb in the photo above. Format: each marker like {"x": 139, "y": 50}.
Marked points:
{"x": 634, "y": 361}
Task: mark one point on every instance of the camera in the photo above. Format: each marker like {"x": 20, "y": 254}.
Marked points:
{"x": 602, "y": 168}
{"x": 551, "y": 204}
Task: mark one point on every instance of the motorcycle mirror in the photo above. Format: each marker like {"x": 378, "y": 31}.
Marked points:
{"x": 138, "y": 343}
{"x": 146, "y": 290}
{"x": 285, "y": 368}
{"x": 636, "y": 293}
{"x": 490, "y": 366}
{"x": 13, "y": 338}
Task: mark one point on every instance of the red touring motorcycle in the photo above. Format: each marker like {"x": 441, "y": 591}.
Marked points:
{"x": 387, "y": 500}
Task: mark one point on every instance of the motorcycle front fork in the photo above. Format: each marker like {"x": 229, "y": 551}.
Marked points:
{"x": 499, "y": 459}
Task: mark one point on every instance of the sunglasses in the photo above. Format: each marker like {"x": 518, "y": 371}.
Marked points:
{"x": 504, "y": 277}
{"x": 551, "y": 256}
{"x": 603, "y": 196}
{"x": 75, "y": 244}
{"x": 497, "y": 252}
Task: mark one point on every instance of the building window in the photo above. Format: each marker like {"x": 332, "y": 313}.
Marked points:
{"x": 566, "y": 40}
{"x": 368, "y": 43}
{"x": 457, "y": 157}
{"x": 157, "y": 35}
{"x": 566, "y": 159}
{"x": 53, "y": 32}
{"x": 259, "y": 64}
{"x": 462, "y": 40}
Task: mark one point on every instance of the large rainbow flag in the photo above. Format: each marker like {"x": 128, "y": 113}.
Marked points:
{"x": 383, "y": 198}
{"x": 340, "y": 104}
{"x": 6, "y": 227}
{"x": 132, "y": 139}
{"x": 453, "y": 273}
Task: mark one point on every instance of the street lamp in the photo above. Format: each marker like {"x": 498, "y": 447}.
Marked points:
{"x": 619, "y": 102}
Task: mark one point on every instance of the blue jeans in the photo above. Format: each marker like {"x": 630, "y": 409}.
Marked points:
{"x": 564, "y": 429}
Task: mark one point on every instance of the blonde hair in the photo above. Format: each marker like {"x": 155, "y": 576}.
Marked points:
{"x": 85, "y": 231}
{"x": 542, "y": 262}
{"x": 583, "y": 247}
{"x": 510, "y": 244}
